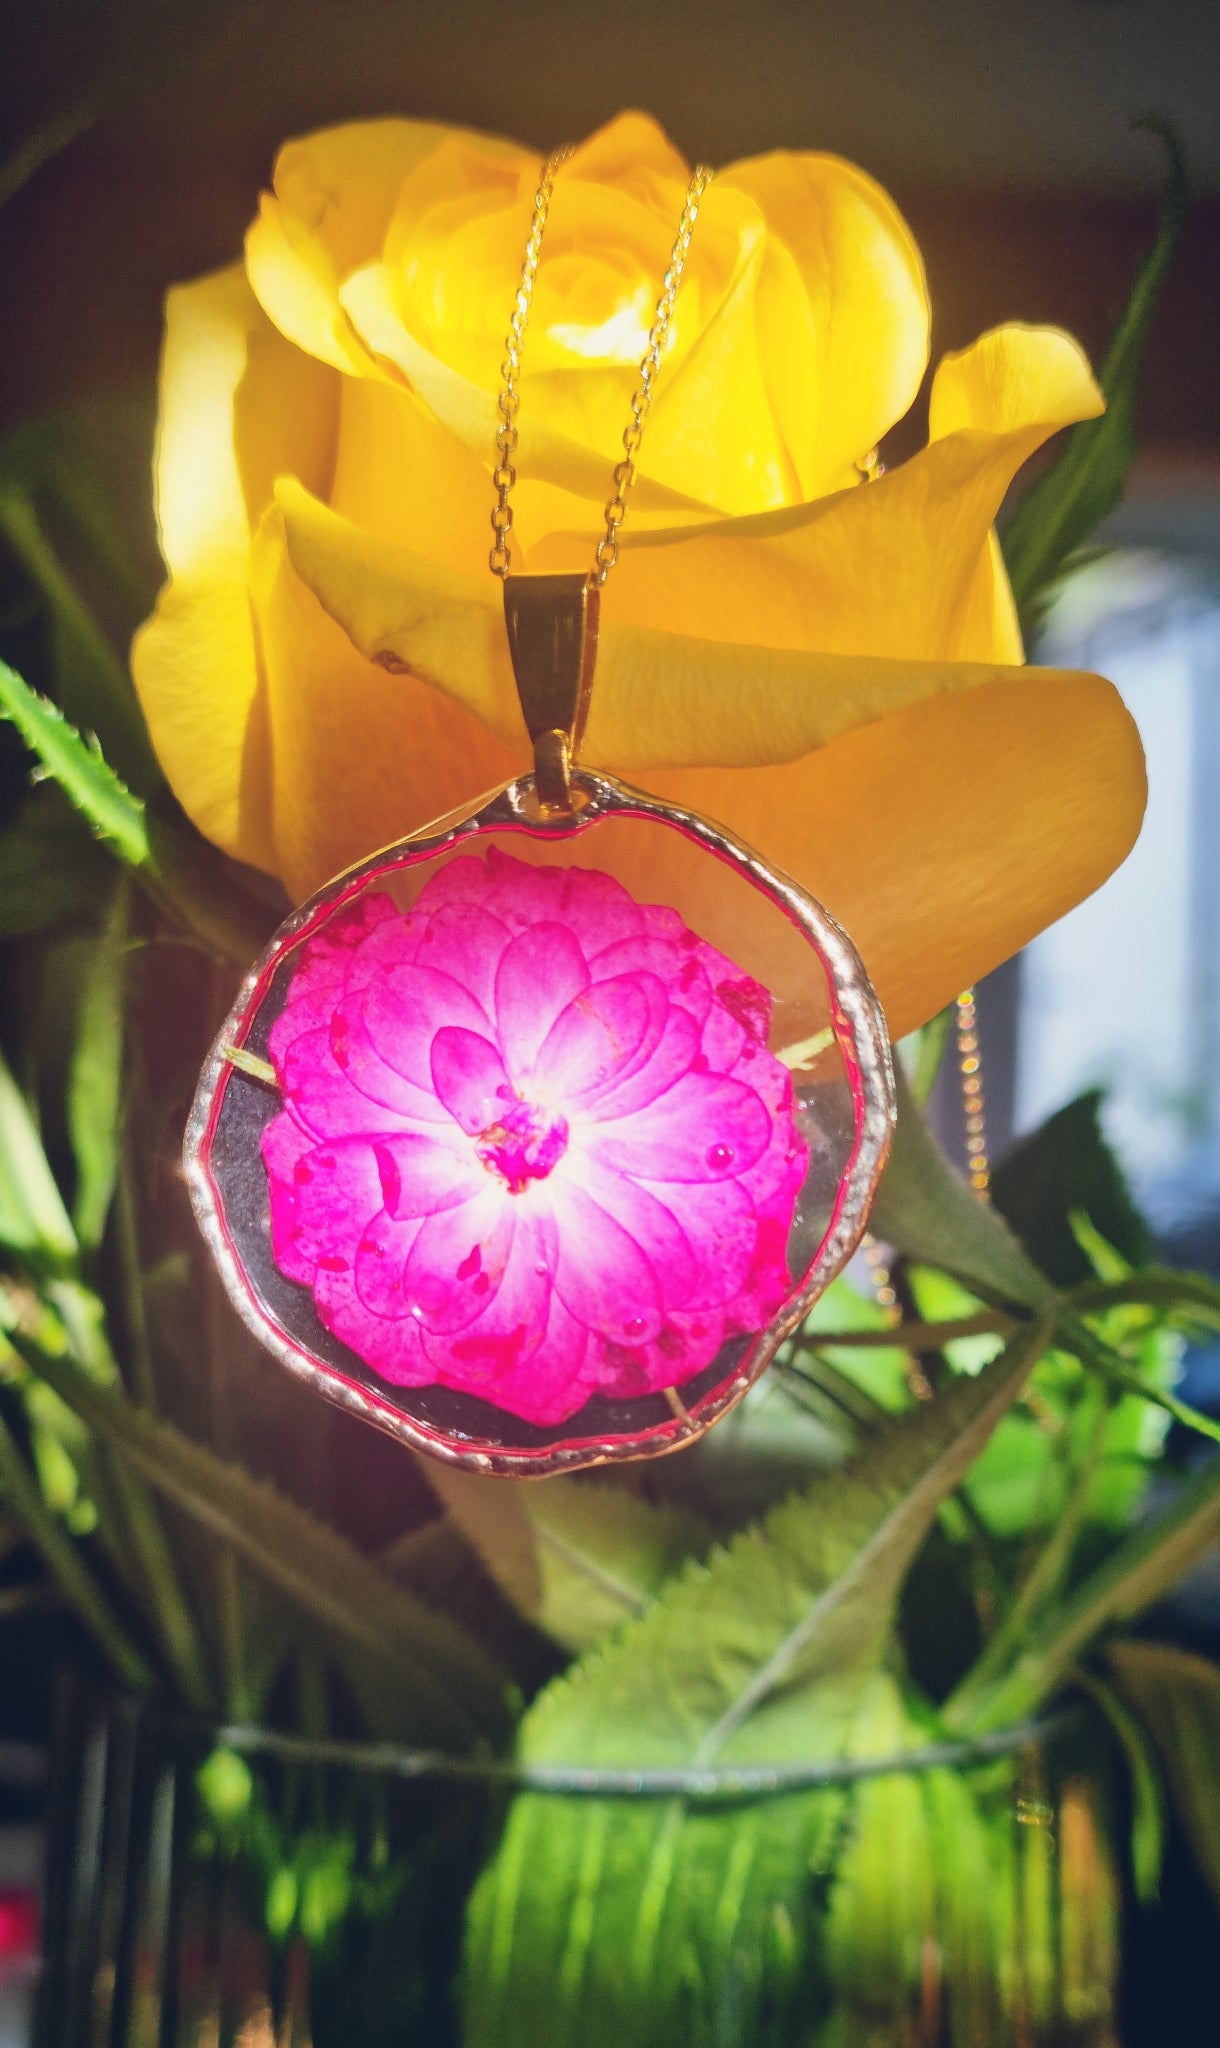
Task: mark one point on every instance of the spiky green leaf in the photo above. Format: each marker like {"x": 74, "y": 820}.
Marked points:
{"x": 597, "y": 1917}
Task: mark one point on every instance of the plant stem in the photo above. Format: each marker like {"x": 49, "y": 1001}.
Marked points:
{"x": 1093, "y": 1351}
{"x": 1157, "y": 1289}
{"x": 1044, "y": 1578}
{"x": 914, "y": 1336}
{"x": 127, "y": 1238}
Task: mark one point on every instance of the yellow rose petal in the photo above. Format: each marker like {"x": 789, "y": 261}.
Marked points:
{"x": 659, "y": 699}
{"x": 238, "y": 404}
{"x": 842, "y": 307}
{"x": 335, "y": 195}
{"x": 906, "y": 565}
{"x": 945, "y": 837}
{"x": 361, "y": 756}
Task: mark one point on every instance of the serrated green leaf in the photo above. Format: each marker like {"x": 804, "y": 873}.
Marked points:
{"x": 33, "y": 1220}
{"x": 599, "y": 1919}
{"x": 925, "y": 1209}
{"x": 1176, "y": 1696}
{"x": 50, "y": 873}
{"x": 577, "y": 1558}
{"x": 1065, "y": 1166}
{"x": 174, "y": 864}
{"x": 1056, "y": 517}
{"x": 95, "y": 1075}
{"x": 86, "y": 779}
{"x": 451, "y": 1694}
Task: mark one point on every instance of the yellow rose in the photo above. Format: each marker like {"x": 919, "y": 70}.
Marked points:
{"x": 823, "y": 665}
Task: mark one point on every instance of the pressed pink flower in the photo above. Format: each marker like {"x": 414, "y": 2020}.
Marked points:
{"x": 533, "y": 1145}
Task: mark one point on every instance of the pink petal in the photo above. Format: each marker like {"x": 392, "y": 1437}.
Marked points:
{"x": 468, "y": 1076}
{"x": 511, "y": 1328}
{"x": 721, "y": 1226}
{"x": 394, "y": 1349}
{"x": 421, "y": 1174}
{"x": 379, "y": 1264}
{"x": 403, "y": 1015}
{"x": 551, "y": 1383}
{"x": 705, "y": 1128}
{"x": 600, "y": 1037}
{"x": 672, "y": 1056}
{"x": 324, "y": 1096}
{"x": 378, "y": 1085}
{"x": 465, "y": 942}
{"x": 538, "y": 976}
{"x": 592, "y": 903}
{"x": 338, "y": 1189}
{"x": 652, "y": 1226}
{"x": 284, "y": 1142}
{"x": 323, "y": 962}
{"x": 603, "y": 1276}
{"x": 458, "y": 1259}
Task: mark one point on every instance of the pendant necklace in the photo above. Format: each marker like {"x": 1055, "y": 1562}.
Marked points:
{"x": 532, "y": 1137}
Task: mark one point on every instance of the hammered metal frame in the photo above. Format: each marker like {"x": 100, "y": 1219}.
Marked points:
{"x": 859, "y": 1028}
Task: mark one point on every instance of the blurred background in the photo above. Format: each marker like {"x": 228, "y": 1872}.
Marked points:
{"x": 135, "y": 138}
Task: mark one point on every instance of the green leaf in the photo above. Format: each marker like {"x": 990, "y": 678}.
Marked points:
{"x": 89, "y": 676}
{"x": 1177, "y": 1698}
{"x": 1066, "y": 1166}
{"x": 19, "y": 1493}
{"x": 95, "y": 1075}
{"x": 33, "y": 1220}
{"x": 1147, "y": 1791}
{"x": 578, "y": 1558}
{"x": 178, "y": 868}
{"x": 1056, "y": 517}
{"x": 1140, "y": 1570}
{"x": 597, "y": 1918}
{"x": 50, "y": 874}
{"x": 451, "y": 1694}
{"x": 922, "y": 1051}
{"x": 98, "y": 793}
{"x": 926, "y": 1209}
{"x": 47, "y": 459}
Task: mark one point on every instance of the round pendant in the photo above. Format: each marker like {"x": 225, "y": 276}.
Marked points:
{"x": 531, "y": 1139}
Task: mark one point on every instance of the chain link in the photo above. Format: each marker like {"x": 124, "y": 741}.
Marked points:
{"x": 624, "y": 474}
{"x": 504, "y": 476}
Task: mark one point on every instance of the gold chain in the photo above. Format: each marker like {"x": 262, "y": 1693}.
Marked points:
{"x": 974, "y": 1108}
{"x": 504, "y": 476}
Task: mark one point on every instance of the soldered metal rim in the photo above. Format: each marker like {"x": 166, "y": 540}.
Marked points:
{"x": 859, "y": 1027}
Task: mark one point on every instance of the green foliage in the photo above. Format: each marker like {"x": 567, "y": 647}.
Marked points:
{"x": 86, "y": 778}
{"x": 574, "y": 1557}
{"x": 49, "y": 875}
{"x": 593, "y": 1913}
{"x": 455, "y": 1695}
{"x": 93, "y": 682}
{"x": 1056, "y": 517}
{"x": 34, "y": 1222}
{"x": 93, "y": 1101}
{"x": 1176, "y": 1697}
{"x": 926, "y": 1210}
{"x": 1064, "y": 1168}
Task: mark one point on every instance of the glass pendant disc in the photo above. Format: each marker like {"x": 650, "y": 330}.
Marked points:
{"x": 542, "y": 1134}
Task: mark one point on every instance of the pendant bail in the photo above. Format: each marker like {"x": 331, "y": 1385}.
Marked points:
{"x": 552, "y": 626}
